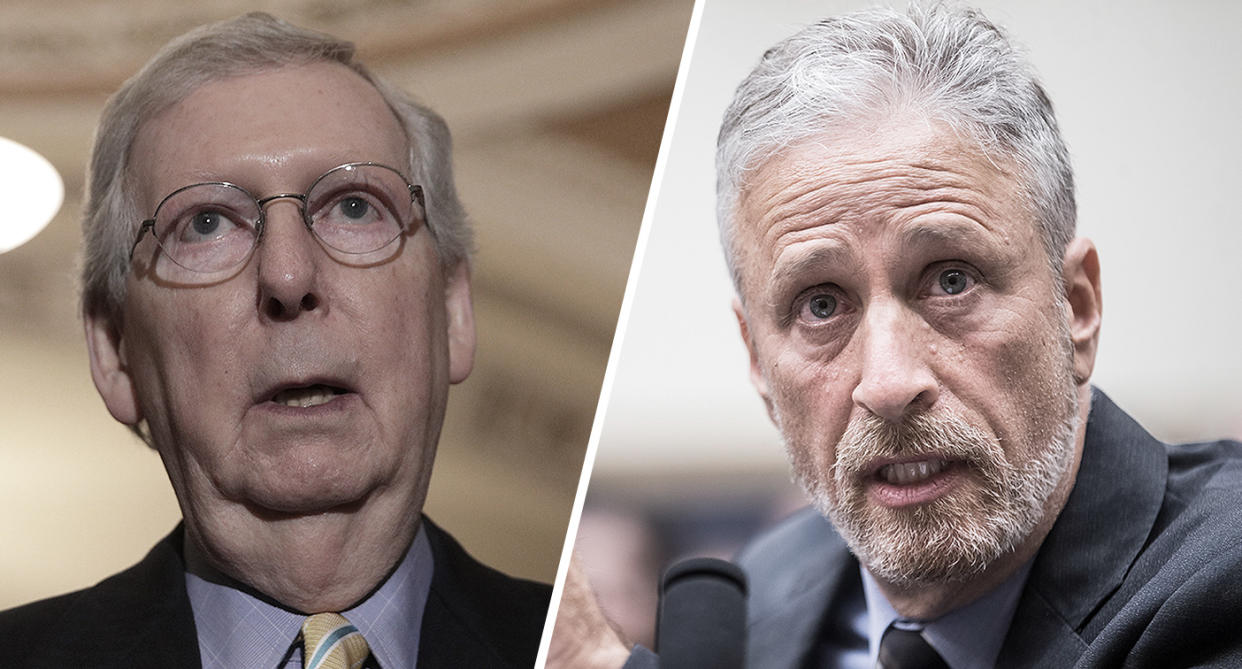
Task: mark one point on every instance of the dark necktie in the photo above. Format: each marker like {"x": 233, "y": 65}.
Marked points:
{"x": 907, "y": 649}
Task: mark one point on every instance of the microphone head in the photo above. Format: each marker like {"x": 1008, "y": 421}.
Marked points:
{"x": 702, "y": 616}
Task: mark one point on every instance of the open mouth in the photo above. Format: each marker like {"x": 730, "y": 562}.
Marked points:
{"x": 308, "y": 396}
{"x": 907, "y": 473}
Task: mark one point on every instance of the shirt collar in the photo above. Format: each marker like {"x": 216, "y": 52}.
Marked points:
{"x": 390, "y": 619}
{"x": 967, "y": 638}
{"x": 239, "y": 630}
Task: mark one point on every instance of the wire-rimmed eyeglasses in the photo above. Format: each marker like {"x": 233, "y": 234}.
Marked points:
{"x": 355, "y": 208}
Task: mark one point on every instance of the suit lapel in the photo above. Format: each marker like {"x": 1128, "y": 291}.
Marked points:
{"x": 138, "y": 618}
{"x": 1096, "y": 538}
{"x": 793, "y": 591}
{"x": 446, "y": 642}
{"x": 447, "y": 638}
{"x": 475, "y": 616}
{"x": 1039, "y": 636}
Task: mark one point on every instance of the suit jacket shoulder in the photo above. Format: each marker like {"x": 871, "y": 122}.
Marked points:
{"x": 138, "y": 618}
{"x": 796, "y": 573}
{"x": 477, "y": 616}
{"x": 1136, "y": 571}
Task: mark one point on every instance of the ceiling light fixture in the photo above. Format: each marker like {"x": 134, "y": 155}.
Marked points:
{"x": 33, "y": 190}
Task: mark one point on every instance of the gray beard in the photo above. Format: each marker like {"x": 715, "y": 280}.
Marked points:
{"x": 960, "y": 534}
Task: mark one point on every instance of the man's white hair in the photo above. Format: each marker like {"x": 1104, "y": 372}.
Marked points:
{"x": 947, "y": 63}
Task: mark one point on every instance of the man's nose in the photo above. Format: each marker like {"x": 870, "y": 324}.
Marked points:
{"x": 288, "y": 257}
{"x": 895, "y": 378}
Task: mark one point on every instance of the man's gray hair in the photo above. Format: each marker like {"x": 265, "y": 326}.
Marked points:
{"x": 948, "y": 63}
{"x": 247, "y": 44}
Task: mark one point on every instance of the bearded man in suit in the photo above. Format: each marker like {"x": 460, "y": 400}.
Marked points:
{"x": 276, "y": 294}
{"x": 897, "y": 210}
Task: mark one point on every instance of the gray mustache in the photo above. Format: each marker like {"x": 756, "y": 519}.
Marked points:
{"x": 943, "y": 435}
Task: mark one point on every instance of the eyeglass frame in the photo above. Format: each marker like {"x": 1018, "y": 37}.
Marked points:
{"x": 260, "y": 224}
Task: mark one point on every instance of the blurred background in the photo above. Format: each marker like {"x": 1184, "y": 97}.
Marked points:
{"x": 1147, "y": 95}
{"x": 557, "y": 109}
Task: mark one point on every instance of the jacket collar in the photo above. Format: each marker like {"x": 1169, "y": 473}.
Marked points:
{"x": 475, "y": 616}
{"x": 1097, "y": 537}
{"x": 138, "y": 618}
{"x": 803, "y": 565}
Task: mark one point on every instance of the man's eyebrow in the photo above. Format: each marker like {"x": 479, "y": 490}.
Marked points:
{"x": 787, "y": 273}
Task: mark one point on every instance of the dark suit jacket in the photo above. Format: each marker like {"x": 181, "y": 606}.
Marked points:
{"x": 475, "y": 617}
{"x": 1143, "y": 567}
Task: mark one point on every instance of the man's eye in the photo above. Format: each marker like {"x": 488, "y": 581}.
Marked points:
{"x": 354, "y": 207}
{"x": 954, "y": 281}
{"x": 349, "y": 208}
{"x": 206, "y": 222}
{"x": 206, "y": 225}
{"x": 821, "y": 306}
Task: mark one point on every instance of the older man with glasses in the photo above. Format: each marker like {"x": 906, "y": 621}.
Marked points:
{"x": 276, "y": 296}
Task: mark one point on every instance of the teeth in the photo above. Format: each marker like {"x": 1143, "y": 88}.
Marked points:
{"x": 903, "y": 473}
{"x": 304, "y": 397}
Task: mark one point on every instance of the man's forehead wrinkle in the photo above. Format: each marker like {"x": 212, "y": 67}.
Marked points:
{"x": 959, "y": 203}
{"x": 817, "y": 207}
{"x": 809, "y": 177}
{"x": 832, "y": 187}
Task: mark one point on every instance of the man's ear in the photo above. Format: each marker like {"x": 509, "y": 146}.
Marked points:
{"x": 109, "y": 369}
{"x": 1081, "y": 279}
{"x": 757, "y": 379}
{"x": 459, "y": 311}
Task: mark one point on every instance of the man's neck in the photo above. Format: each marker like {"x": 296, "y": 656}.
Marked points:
{"x": 929, "y": 602}
{"x": 970, "y": 636}
{"x": 390, "y": 618}
{"x": 313, "y": 563}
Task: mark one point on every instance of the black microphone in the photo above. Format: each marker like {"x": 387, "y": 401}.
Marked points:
{"x": 701, "y": 622}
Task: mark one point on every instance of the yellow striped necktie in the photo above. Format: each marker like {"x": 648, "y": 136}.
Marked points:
{"x": 329, "y": 641}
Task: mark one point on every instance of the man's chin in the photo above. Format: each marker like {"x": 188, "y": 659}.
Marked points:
{"x": 949, "y": 540}
{"x": 282, "y": 501}
{"x": 908, "y": 571}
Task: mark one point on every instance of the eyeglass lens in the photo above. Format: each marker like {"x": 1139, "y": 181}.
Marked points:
{"x": 353, "y": 209}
